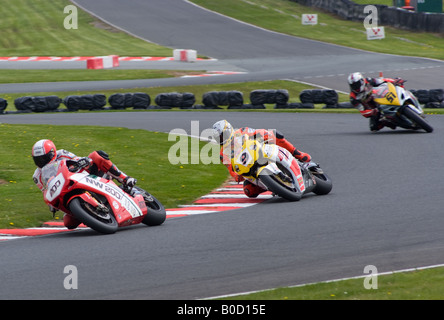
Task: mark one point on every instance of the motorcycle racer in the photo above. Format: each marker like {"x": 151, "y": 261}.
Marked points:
{"x": 98, "y": 163}
{"x": 361, "y": 98}
{"x": 223, "y": 133}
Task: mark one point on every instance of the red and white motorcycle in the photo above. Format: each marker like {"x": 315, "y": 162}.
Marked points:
{"x": 96, "y": 201}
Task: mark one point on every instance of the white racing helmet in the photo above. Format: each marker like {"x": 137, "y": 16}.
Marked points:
{"x": 356, "y": 82}
{"x": 222, "y": 131}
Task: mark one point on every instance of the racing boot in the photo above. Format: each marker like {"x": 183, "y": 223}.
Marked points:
{"x": 377, "y": 123}
{"x": 301, "y": 156}
{"x": 284, "y": 143}
{"x": 386, "y": 123}
{"x": 70, "y": 222}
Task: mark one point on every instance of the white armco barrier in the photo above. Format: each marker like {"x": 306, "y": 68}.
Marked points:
{"x": 102, "y": 62}
{"x": 184, "y": 55}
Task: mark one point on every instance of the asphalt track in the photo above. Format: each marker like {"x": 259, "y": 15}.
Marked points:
{"x": 385, "y": 210}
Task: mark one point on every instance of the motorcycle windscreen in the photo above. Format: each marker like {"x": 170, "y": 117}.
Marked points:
{"x": 49, "y": 171}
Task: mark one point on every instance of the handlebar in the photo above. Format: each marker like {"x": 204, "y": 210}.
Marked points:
{"x": 73, "y": 165}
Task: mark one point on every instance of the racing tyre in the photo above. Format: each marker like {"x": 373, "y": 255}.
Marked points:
{"x": 323, "y": 184}
{"x": 156, "y": 212}
{"x": 100, "y": 221}
{"x": 418, "y": 120}
{"x": 276, "y": 185}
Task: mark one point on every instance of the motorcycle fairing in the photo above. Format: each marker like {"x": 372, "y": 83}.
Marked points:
{"x": 386, "y": 94}
{"x": 275, "y": 154}
{"x": 54, "y": 187}
{"x": 121, "y": 203}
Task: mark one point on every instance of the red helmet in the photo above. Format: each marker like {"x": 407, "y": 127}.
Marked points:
{"x": 43, "y": 152}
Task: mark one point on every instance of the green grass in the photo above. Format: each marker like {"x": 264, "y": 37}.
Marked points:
{"x": 425, "y": 284}
{"x": 284, "y": 16}
{"x": 35, "y": 28}
{"x": 139, "y": 153}
{"x": 57, "y": 75}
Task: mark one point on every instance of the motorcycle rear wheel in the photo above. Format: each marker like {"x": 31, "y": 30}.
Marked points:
{"x": 274, "y": 185}
{"x": 415, "y": 118}
{"x": 88, "y": 215}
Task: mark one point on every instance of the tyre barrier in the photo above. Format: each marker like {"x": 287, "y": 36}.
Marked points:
{"x": 180, "y": 100}
{"x": 433, "y": 98}
{"x": 85, "y": 102}
{"x": 37, "y": 104}
{"x": 322, "y": 96}
{"x": 3, "y": 105}
{"x": 214, "y": 99}
{"x": 137, "y": 100}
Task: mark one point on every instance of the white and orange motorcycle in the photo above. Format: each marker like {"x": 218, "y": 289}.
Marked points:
{"x": 273, "y": 168}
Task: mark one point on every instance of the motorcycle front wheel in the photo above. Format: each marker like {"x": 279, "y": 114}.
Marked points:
{"x": 276, "y": 185}
{"x": 99, "y": 221}
{"x": 416, "y": 119}
{"x": 323, "y": 184}
{"x": 156, "y": 212}
{"x": 323, "y": 181}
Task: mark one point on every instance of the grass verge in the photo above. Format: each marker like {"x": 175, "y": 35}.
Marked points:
{"x": 424, "y": 284}
{"x": 58, "y": 75}
{"x": 36, "y": 28}
{"x": 139, "y": 153}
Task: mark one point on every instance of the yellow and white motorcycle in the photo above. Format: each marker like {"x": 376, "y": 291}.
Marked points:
{"x": 275, "y": 169}
{"x": 400, "y": 107}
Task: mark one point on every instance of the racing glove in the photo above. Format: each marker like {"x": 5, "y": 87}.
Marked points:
{"x": 129, "y": 182}
{"x": 84, "y": 163}
{"x": 399, "y": 82}
{"x": 75, "y": 165}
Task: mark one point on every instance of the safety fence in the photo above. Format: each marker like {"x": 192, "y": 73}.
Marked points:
{"x": 329, "y": 99}
{"x": 387, "y": 16}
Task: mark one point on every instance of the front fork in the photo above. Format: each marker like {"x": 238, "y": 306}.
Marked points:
{"x": 88, "y": 198}
{"x": 310, "y": 170}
